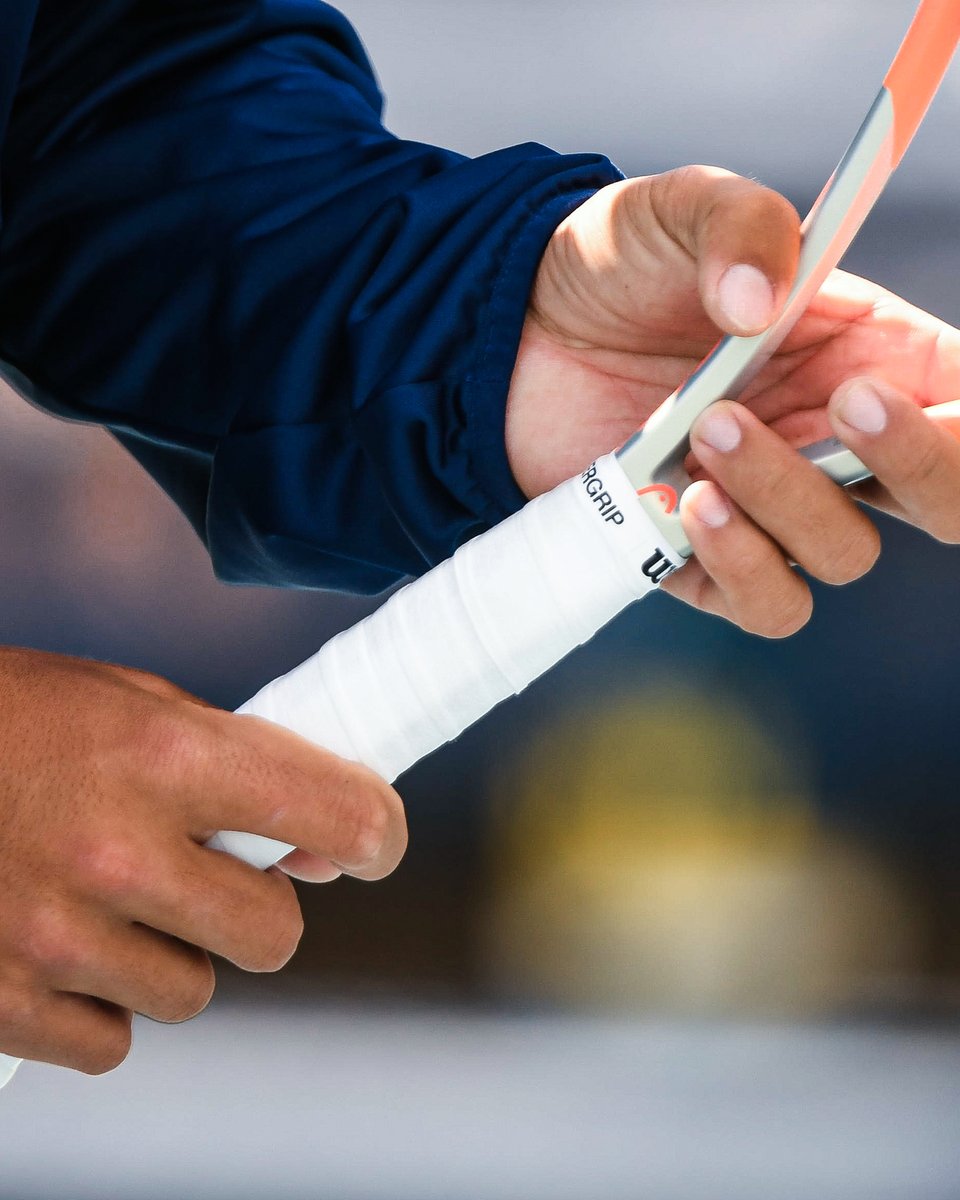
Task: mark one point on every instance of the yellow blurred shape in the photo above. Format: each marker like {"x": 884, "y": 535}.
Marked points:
{"x": 660, "y": 854}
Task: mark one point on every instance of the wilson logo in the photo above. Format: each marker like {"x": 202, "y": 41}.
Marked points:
{"x": 658, "y": 567}
{"x": 606, "y": 505}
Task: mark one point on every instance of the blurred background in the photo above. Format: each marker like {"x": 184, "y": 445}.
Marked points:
{"x": 742, "y": 981}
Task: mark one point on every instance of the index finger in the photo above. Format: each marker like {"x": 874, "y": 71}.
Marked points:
{"x": 245, "y": 773}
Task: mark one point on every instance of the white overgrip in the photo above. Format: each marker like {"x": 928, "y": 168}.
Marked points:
{"x": 480, "y": 627}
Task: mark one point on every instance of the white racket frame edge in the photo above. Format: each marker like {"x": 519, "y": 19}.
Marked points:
{"x": 655, "y": 455}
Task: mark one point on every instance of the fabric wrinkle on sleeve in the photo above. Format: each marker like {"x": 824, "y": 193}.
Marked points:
{"x": 302, "y": 326}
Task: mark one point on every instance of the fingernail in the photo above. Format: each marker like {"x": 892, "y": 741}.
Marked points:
{"x": 861, "y": 407}
{"x": 712, "y": 508}
{"x": 720, "y": 429}
{"x": 746, "y": 298}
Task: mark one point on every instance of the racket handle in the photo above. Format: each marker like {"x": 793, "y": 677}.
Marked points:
{"x": 480, "y": 627}
{"x": 444, "y": 650}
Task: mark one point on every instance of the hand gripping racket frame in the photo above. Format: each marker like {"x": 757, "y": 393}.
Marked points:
{"x": 655, "y": 455}
{"x": 511, "y": 603}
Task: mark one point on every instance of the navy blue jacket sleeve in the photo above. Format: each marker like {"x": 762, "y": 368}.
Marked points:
{"x": 302, "y": 326}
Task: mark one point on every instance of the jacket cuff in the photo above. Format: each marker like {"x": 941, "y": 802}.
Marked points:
{"x": 487, "y": 388}
{"x": 433, "y": 425}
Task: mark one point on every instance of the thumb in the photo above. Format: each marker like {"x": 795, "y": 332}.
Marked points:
{"x": 744, "y": 238}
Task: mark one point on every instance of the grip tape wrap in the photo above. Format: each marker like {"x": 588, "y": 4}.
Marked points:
{"x": 480, "y": 627}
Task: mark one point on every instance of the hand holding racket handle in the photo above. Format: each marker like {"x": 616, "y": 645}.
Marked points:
{"x": 446, "y": 649}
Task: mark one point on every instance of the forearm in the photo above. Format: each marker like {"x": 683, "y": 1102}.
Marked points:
{"x": 304, "y": 326}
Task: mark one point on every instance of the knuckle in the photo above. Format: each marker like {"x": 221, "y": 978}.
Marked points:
{"x": 19, "y": 1010}
{"x": 399, "y": 822}
{"x": 694, "y": 184}
{"x": 785, "y": 609}
{"x": 674, "y": 191}
{"x": 279, "y": 935}
{"x": 775, "y": 485}
{"x": 107, "y": 1052}
{"x": 109, "y": 867}
{"x": 394, "y": 844}
{"x": 790, "y": 618}
{"x": 166, "y": 746}
{"x": 161, "y": 743}
{"x": 362, "y": 825}
{"x": 925, "y": 466}
{"x": 694, "y": 175}
{"x": 752, "y": 202}
{"x": 190, "y": 995}
{"x": 49, "y": 941}
{"x": 774, "y": 206}
{"x": 853, "y": 560}
{"x": 764, "y": 479}
{"x": 701, "y": 174}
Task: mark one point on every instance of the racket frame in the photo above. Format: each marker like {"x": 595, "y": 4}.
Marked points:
{"x": 653, "y": 458}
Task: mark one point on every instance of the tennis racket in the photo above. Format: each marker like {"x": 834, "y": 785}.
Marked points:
{"x": 510, "y": 604}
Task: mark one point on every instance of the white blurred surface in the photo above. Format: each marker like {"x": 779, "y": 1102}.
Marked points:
{"x": 434, "y": 1105}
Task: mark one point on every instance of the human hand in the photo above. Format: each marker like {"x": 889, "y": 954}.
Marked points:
{"x": 633, "y": 290}
{"x": 111, "y": 781}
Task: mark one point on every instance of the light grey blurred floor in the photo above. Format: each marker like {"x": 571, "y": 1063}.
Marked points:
{"x": 377, "y": 1105}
